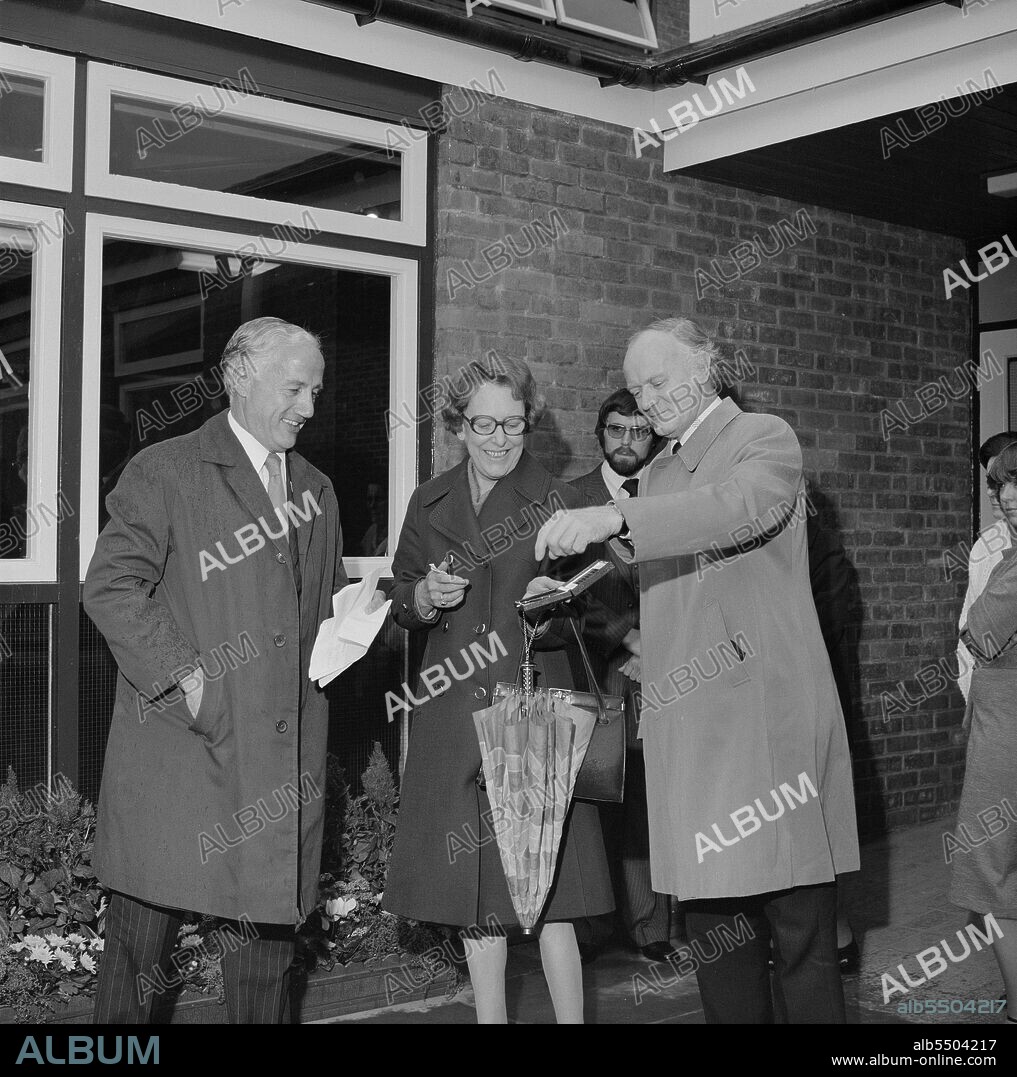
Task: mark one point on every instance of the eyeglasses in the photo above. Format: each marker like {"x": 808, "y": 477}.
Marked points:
{"x": 486, "y": 424}
{"x": 639, "y": 433}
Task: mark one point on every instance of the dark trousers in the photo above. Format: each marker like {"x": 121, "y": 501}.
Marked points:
{"x": 135, "y": 969}
{"x": 734, "y": 981}
{"x": 644, "y": 914}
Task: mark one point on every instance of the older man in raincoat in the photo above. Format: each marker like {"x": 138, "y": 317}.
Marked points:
{"x": 209, "y": 583}
{"x": 751, "y": 805}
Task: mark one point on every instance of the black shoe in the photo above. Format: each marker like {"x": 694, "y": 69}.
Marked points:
{"x": 848, "y": 958}
{"x": 657, "y": 951}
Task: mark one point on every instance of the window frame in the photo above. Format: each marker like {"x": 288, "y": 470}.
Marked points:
{"x": 43, "y": 387}
{"x": 647, "y": 41}
{"x": 104, "y": 82}
{"x": 403, "y": 355}
{"x": 54, "y": 171}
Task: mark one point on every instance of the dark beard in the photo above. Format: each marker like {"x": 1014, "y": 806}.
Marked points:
{"x": 625, "y": 466}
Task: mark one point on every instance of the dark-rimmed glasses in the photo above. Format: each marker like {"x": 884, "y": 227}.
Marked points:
{"x": 639, "y": 433}
{"x": 514, "y": 425}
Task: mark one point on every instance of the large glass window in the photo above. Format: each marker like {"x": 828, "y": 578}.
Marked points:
{"x": 165, "y": 305}
{"x": 22, "y": 118}
{"x": 223, "y": 148}
{"x": 239, "y": 156}
{"x": 31, "y": 507}
{"x": 167, "y": 313}
{"x": 36, "y": 117}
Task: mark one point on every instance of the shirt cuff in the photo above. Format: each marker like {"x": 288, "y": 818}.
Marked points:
{"x": 419, "y": 606}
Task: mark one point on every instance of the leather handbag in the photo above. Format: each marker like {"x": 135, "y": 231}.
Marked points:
{"x": 602, "y": 775}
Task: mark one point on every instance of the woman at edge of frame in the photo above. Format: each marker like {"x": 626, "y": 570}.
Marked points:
{"x": 445, "y": 864}
{"x": 984, "y": 877}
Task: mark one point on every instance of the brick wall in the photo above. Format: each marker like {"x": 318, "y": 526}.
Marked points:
{"x": 671, "y": 21}
{"x": 838, "y": 326}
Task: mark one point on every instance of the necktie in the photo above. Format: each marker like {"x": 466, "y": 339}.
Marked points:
{"x": 631, "y": 487}
{"x": 277, "y": 495}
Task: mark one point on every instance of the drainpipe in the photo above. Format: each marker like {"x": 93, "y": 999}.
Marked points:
{"x": 693, "y": 63}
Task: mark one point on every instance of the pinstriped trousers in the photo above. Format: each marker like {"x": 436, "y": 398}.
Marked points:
{"x": 136, "y": 969}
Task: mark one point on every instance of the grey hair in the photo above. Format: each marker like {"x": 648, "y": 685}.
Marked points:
{"x": 691, "y": 336}
{"x": 513, "y": 373}
{"x": 253, "y": 343}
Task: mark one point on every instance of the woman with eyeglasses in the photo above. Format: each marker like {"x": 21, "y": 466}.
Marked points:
{"x": 465, "y": 555}
{"x": 983, "y": 856}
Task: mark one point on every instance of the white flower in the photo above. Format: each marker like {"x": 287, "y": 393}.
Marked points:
{"x": 54, "y": 940}
{"x": 35, "y": 940}
{"x": 40, "y": 954}
{"x": 87, "y": 962}
{"x": 74, "y": 937}
{"x": 17, "y": 947}
{"x": 189, "y": 929}
{"x": 195, "y": 940}
{"x": 65, "y": 959}
{"x": 337, "y": 908}
{"x": 97, "y": 945}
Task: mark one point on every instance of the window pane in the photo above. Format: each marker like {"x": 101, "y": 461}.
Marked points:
{"x": 17, "y": 525}
{"x": 22, "y": 103}
{"x": 24, "y": 692}
{"x": 622, "y": 20}
{"x": 242, "y": 156}
{"x": 167, "y": 315}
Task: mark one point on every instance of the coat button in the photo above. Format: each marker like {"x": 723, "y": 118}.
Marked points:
{"x": 281, "y": 727}
{"x": 279, "y": 557}
{"x": 479, "y": 693}
{"x": 279, "y": 641}
{"x": 481, "y": 628}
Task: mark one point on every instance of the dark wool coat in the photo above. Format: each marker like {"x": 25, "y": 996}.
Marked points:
{"x": 221, "y": 813}
{"x": 445, "y": 866}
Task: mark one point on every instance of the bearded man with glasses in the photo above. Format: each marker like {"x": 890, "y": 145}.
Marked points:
{"x": 611, "y": 628}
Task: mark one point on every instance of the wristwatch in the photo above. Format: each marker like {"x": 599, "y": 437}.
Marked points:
{"x": 624, "y": 533}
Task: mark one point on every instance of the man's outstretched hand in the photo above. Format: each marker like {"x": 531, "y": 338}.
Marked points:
{"x": 572, "y": 530}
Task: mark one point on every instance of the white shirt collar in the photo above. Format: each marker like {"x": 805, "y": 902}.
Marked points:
{"x": 256, "y": 452}
{"x": 613, "y": 481}
{"x": 696, "y": 424}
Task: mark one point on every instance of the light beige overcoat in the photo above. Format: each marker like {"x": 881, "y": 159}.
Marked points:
{"x": 748, "y": 770}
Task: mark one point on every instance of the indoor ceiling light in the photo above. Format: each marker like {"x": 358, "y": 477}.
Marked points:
{"x": 1004, "y": 186}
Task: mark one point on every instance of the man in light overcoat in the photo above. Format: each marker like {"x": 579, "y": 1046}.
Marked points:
{"x": 751, "y": 804}
{"x": 209, "y": 583}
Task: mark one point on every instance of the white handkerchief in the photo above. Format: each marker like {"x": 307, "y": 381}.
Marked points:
{"x": 345, "y": 637}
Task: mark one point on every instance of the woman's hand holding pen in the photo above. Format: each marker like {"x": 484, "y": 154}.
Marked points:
{"x": 441, "y": 589}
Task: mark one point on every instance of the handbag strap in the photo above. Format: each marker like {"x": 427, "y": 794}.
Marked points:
{"x": 590, "y": 679}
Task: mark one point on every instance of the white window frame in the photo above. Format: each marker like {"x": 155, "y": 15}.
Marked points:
{"x": 536, "y": 9}
{"x": 105, "y": 81}
{"x": 42, "y": 496}
{"x": 647, "y": 41}
{"x": 57, "y": 73}
{"x": 404, "y": 305}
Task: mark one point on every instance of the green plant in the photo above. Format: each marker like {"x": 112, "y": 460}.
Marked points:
{"x": 349, "y": 925}
{"x": 51, "y": 906}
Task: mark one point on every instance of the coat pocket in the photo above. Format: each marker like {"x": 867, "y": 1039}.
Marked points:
{"x": 211, "y": 709}
{"x": 730, "y": 652}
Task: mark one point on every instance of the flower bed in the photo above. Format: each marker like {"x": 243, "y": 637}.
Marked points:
{"x": 52, "y": 911}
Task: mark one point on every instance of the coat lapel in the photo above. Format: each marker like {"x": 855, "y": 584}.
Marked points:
{"x": 452, "y": 514}
{"x": 302, "y": 482}
{"x": 693, "y": 451}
